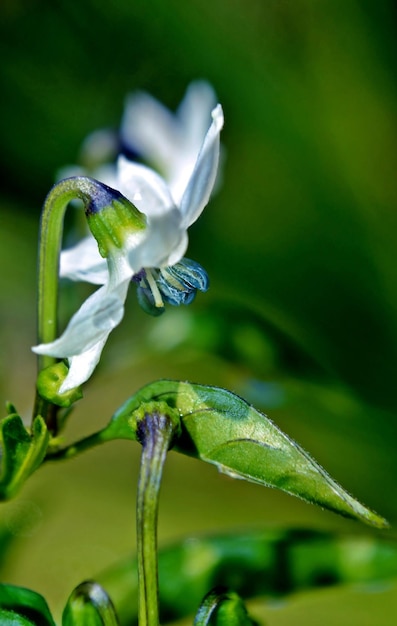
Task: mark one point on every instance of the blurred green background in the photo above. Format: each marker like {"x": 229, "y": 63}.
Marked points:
{"x": 300, "y": 245}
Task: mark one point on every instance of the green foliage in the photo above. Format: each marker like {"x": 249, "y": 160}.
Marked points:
{"x": 23, "y": 607}
{"x": 88, "y": 605}
{"x": 310, "y": 160}
{"x": 268, "y": 562}
{"x": 221, "y": 428}
{"x": 23, "y": 452}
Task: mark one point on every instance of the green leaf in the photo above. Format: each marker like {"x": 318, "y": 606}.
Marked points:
{"x": 9, "y": 618}
{"x": 23, "y": 452}
{"x": 89, "y": 605}
{"x": 221, "y": 428}
{"x": 23, "y": 607}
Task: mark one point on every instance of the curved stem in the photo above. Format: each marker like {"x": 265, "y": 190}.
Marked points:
{"x": 155, "y": 433}
{"x": 51, "y": 229}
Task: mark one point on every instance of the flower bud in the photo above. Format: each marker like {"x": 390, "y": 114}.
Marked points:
{"x": 49, "y": 382}
{"x": 112, "y": 218}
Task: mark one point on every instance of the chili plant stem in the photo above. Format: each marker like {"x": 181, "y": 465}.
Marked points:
{"x": 155, "y": 433}
{"x": 51, "y": 229}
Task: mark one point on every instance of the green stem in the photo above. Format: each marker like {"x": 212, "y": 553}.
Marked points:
{"x": 69, "y": 452}
{"x": 155, "y": 433}
{"x": 51, "y": 229}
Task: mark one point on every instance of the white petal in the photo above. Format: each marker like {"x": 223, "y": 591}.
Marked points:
{"x": 169, "y": 143}
{"x": 203, "y": 178}
{"x": 164, "y": 238}
{"x": 92, "y": 323}
{"x": 83, "y": 262}
{"x": 194, "y": 119}
{"x": 194, "y": 114}
{"x": 151, "y": 130}
{"x": 82, "y": 366}
{"x": 177, "y": 252}
{"x": 165, "y": 243}
{"x": 144, "y": 188}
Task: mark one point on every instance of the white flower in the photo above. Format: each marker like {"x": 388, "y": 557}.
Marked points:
{"x": 165, "y": 141}
{"x": 151, "y": 251}
{"x": 168, "y": 142}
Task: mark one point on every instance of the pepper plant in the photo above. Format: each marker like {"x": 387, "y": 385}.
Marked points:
{"x": 137, "y": 218}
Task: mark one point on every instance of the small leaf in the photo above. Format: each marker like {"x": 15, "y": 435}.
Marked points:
{"x": 20, "y": 607}
{"x": 222, "y": 607}
{"x": 10, "y": 408}
{"x": 23, "y": 452}
{"x": 221, "y": 428}
{"x": 89, "y": 605}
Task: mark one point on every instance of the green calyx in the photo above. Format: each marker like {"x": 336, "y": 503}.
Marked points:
{"x": 114, "y": 223}
{"x": 162, "y": 414}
